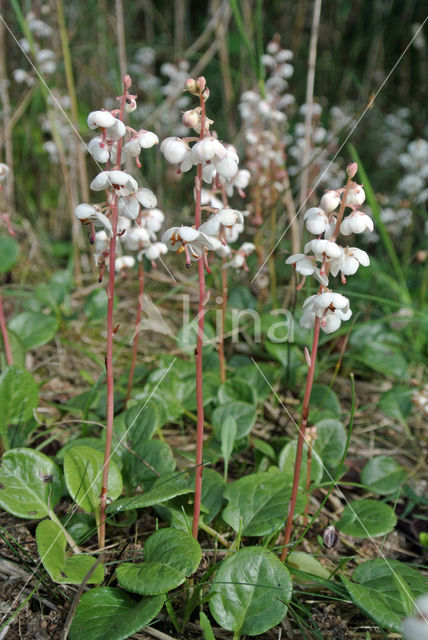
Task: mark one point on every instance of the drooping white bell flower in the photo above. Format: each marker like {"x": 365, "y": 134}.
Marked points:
{"x": 102, "y": 242}
{"x": 332, "y": 308}
{"x": 349, "y": 261}
{"x": 4, "y": 170}
{"x": 122, "y": 183}
{"x": 316, "y": 220}
{"x": 174, "y": 149}
{"x": 146, "y": 198}
{"x": 124, "y": 262}
{"x": 99, "y": 150}
{"x": 137, "y": 238}
{"x": 192, "y": 241}
{"x": 87, "y": 213}
{"x": 356, "y": 195}
{"x": 147, "y": 139}
{"x": 228, "y": 166}
{"x": 330, "y": 201}
{"x": 100, "y": 119}
{"x": 209, "y": 149}
{"x": 152, "y": 219}
{"x": 306, "y": 266}
{"x": 153, "y": 251}
{"x": 356, "y": 222}
{"x": 323, "y": 248}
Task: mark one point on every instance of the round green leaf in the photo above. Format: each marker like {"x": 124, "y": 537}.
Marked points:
{"x": 330, "y": 442}
{"x": 109, "y": 613}
{"x": 51, "y": 544}
{"x": 287, "y": 459}
{"x": 374, "y": 604}
{"x": 34, "y": 329}
{"x": 258, "y": 503}
{"x": 307, "y": 563}
{"x": 83, "y": 470}
{"x": 383, "y": 475}
{"x": 17, "y": 348}
{"x": 237, "y": 389}
{"x": 397, "y": 403}
{"x": 30, "y": 483}
{"x": 19, "y": 395}
{"x": 9, "y": 252}
{"x": 141, "y": 422}
{"x": 244, "y": 414}
{"x": 364, "y": 518}
{"x": 148, "y": 460}
{"x": 324, "y": 399}
{"x": 170, "y": 555}
{"x": 250, "y": 592}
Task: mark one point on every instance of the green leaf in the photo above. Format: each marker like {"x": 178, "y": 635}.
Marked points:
{"x": 244, "y": 414}
{"x": 384, "y": 359}
{"x": 141, "y": 422}
{"x": 330, "y": 442}
{"x": 9, "y": 252}
{"x": 307, "y": 563}
{"x": 397, "y": 403}
{"x": 165, "y": 488}
{"x": 374, "y": 604}
{"x": 324, "y": 398}
{"x": 258, "y": 503}
{"x": 30, "y": 483}
{"x": 17, "y": 348}
{"x": 96, "y": 305}
{"x": 207, "y": 631}
{"x": 34, "y": 329}
{"x": 236, "y": 389}
{"x": 151, "y": 459}
{"x": 19, "y": 395}
{"x": 286, "y": 462}
{"x": 170, "y": 556}
{"x": 109, "y": 613}
{"x": 364, "y": 518}
{"x": 250, "y": 592}
{"x": 383, "y": 475}
{"x": 227, "y": 437}
{"x": 260, "y": 378}
{"x": 51, "y": 544}
{"x": 83, "y": 469}
{"x": 385, "y": 590}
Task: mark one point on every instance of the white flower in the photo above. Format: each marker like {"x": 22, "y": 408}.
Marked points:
{"x": 305, "y": 265}
{"x": 332, "y": 308}
{"x": 120, "y": 181}
{"x": 98, "y": 150}
{"x": 349, "y": 261}
{"x": 323, "y": 248}
{"x": 209, "y": 148}
{"x": 247, "y": 248}
{"x": 174, "y": 149}
{"x": 152, "y": 219}
{"x": 101, "y": 241}
{"x": 228, "y": 166}
{"x": 112, "y": 128}
{"x": 137, "y": 238}
{"x": 154, "y": 251}
{"x": 356, "y": 195}
{"x": 146, "y": 198}
{"x": 356, "y": 222}
{"x": 224, "y": 218}
{"x": 192, "y": 241}
{"x": 147, "y": 139}
{"x": 124, "y": 262}
{"x": 416, "y": 627}
{"x": 87, "y": 213}
{"x": 330, "y": 201}
{"x": 316, "y": 220}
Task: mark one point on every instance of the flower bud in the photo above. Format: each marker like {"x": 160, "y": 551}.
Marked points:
{"x": 191, "y": 86}
{"x": 201, "y": 83}
{"x": 206, "y": 94}
{"x": 352, "y": 169}
{"x": 127, "y": 81}
{"x": 330, "y": 201}
{"x": 192, "y": 119}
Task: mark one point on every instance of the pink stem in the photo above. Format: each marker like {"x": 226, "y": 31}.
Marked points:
{"x": 6, "y": 343}
{"x": 109, "y": 356}
{"x": 301, "y": 439}
{"x": 137, "y": 324}
{"x": 224, "y": 293}
{"x": 199, "y": 348}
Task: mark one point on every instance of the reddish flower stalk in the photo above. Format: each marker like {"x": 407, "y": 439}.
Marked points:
{"x": 199, "y": 346}
{"x": 352, "y": 169}
{"x": 110, "y": 334}
{"x": 137, "y": 332}
{"x": 5, "y": 335}
{"x": 301, "y": 439}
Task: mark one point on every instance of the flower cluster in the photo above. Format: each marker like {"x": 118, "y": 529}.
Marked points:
{"x": 324, "y": 257}
{"x": 134, "y": 204}
{"x": 219, "y": 168}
